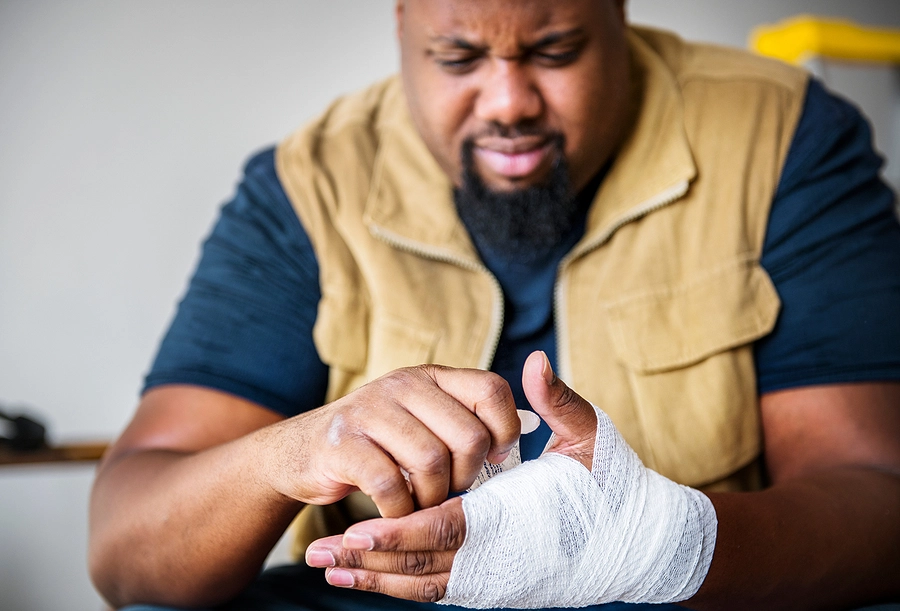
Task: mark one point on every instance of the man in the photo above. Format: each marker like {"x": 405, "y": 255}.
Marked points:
{"x": 698, "y": 240}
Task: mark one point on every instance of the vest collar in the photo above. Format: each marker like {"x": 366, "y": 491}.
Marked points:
{"x": 654, "y": 166}
{"x": 410, "y": 204}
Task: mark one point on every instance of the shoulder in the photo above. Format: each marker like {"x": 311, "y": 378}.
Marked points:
{"x": 350, "y": 125}
{"x": 830, "y": 179}
{"x": 831, "y": 134}
{"x": 260, "y": 176}
{"x": 260, "y": 200}
{"x": 831, "y": 248}
{"x": 703, "y": 62}
{"x": 244, "y": 326}
{"x": 331, "y": 161}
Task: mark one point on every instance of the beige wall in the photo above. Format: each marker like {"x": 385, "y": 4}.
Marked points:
{"x": 123, "y": 126}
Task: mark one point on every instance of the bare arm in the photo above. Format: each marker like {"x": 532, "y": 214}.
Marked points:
{"x": 826, "y": 534}
{"x": 192, "y": 497}
{"x": 177, "y": 502}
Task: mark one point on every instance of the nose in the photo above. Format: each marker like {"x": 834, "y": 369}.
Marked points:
{"x": 508, "y": 96}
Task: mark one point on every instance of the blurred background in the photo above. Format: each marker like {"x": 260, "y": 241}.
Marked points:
{"x": 123, "y": 128}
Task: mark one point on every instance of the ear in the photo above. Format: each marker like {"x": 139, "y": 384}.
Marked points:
{"x": 398, "y": 15}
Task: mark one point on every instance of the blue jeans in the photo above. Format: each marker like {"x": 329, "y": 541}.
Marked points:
{"x": 300, "y": 588}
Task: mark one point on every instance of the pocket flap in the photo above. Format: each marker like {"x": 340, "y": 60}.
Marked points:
{"x": 677, "y": 326}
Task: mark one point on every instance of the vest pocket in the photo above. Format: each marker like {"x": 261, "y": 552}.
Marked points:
{"x": 687, "y": 351}
{"x": 678, "y": 326}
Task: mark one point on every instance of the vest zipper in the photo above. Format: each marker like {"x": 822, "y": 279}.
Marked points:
{"x": 416, "y": 248}
{"x": 660, "y": 200}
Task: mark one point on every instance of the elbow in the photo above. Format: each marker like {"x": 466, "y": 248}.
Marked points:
{"x": 109, "y": 582}
{"x": 124, "y": 579}
{"x": 104, "y": 583}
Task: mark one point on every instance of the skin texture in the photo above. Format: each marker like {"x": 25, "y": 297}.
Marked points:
{"x": 510, "y": 74}
{"x": 824, "y": 536}
{"x": 201, "y": 484}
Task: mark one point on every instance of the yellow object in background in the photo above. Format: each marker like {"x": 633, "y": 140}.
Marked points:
{"x": 799, "y": 39}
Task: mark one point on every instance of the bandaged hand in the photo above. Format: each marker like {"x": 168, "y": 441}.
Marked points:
{"x": 586, "y": 523}
{"x": 551, "y": 533}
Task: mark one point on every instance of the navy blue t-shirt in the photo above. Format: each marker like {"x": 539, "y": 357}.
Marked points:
{"x": 832, "y": 250}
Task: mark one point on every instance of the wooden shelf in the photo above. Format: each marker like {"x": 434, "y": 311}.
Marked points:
{"x": 73, "y": 452}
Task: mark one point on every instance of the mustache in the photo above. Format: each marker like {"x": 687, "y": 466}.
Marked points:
{"x": 497, "y": 130}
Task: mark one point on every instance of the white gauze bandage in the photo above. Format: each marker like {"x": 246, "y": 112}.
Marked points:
{"x": 549, "y": 533}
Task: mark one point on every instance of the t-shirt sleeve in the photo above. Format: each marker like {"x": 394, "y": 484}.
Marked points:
{"x": 832, "y": 250}
{"x": 245, "y": 323}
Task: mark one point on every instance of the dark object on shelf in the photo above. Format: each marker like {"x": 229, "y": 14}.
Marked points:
{"x": 23, "y": 441}
{"x": 21, "y": 433}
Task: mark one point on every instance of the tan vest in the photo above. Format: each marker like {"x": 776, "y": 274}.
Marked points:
{"x": 657, "y": 306}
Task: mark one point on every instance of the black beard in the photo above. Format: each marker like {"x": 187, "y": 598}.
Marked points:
{"x": 523, "y": 225}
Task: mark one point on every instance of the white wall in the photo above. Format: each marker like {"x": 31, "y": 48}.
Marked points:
{"x": 123, "y": 126}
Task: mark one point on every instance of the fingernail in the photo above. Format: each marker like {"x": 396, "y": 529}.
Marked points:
{"x": 340, "y": 578}
{"x": 319, "y": 558}
{"x": 353, "y": 540}
{"x": 547, "y": 370}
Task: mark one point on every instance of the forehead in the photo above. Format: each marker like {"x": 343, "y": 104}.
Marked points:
{"x": 500, "y": 21}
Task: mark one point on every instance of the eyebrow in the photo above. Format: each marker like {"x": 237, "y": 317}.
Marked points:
{"x": 549, "y": 39}
{"x": 555, "y": 37}
{"x": 456, "y": 42}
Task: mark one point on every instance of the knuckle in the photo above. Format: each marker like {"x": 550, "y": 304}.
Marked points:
{"x": 567, "y": 400}
{"x": 445, "y": 533}
{"x": 388, "y": 483}
{"x": 430, "y": 370}
{"x": 496, "y": 390}
{"x": 434, "y": 461}
{"x": 431, "y": 591}
{"x": 415, "y": 563}
{"x": 352, "y": 559}
{"x": 390, "y": 541}
{"x": 415, "y": 375}
{"x": 476, "y": 440}
{"x": 399, "y": 381}
{"x": 364, "y": 580}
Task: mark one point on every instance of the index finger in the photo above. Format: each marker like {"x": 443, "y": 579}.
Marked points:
{"x": 489, "y": 397}
{"x": 441, "y": 528}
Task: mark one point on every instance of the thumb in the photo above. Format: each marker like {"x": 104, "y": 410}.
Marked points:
{"x": 571, "y": 418}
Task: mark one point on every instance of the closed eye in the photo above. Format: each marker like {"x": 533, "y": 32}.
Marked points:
{"x": 558, "y": 59}
{"x": 457, "y": 65}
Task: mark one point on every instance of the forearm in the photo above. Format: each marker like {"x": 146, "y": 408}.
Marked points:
{"x": 184, "y": 529}
{"x": 822, "y": 541}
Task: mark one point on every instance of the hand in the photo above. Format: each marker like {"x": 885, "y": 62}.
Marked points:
{"x": 407, "y": 557}
{"x": 411, "y": 557}
{"x": 436, "y": 424}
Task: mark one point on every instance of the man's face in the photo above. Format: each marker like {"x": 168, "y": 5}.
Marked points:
{"x": 514, "y": 78}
